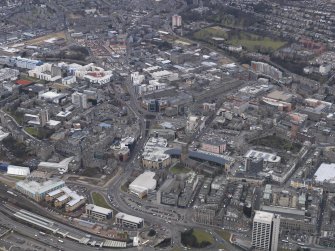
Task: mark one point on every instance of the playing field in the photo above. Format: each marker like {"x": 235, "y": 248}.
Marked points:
{"x": 249, "y": 41}
{"x": 43, "y": 39}
{"x": 202, "y": 235}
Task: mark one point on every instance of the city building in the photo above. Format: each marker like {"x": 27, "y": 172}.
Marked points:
{"x": 154, "y": 155}
{"x": 176, "y": 21}
{"x": 38, "y": 190}
{"x": 213, "y": 145}
{"x": 128, "y": 221}
{"x": 47, "y": 72}
{"x": 265, "y": 231}
{"x": 61, "y": 167}
{"x": 143, "y": 183}
{"x": 44, "y": 117}
{"x": 18, "y": 170}
{"x": 266, "y": 69}
{"x": 325, "y": 172}
{"x": 98, "y": 213}
{"x": 79, "y": 100}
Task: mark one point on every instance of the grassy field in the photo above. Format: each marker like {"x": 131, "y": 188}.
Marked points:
{"x": 178, "y": 169}
{"x": 32, "y": 131}
{"x": 251, "y": 42}
{"x": 202, "y": 235}
{"x": 224, "y": 234}
{"x": 40, "y": 40}
{"x": 99, "y": 200}
{"x": 277, "y": 142}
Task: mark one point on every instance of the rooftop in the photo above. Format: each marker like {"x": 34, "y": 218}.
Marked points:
{"x": 326, "y": 172}
{"x": 98, "y": 209}
{"x": 129, "y": 218}
{"x": 38, "y": 188}
{"x": 264, "y": 217}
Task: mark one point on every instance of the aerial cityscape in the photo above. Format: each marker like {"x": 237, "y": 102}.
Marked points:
{"x": 167, "y": 125}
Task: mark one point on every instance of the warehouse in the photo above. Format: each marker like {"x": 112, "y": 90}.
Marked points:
{"x": 128, "y": 221}
{"x": 143, "y": 183}
{"x": 38, "y": 190}
{"x": 18, "y": 170}
{"x": 98, "y": 213}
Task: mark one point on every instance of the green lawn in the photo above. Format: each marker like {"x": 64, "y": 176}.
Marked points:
{"x": 251, "y": 42}
{"x": 277, "y": 142}
{"x": 32, "y": 131}
{"x": 178, "y": 169}
{"x": 202, "y": 235}
{"x": 99, "y": 200}
{"x": 224, "y": 234}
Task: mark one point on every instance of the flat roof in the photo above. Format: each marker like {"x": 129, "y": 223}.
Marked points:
{"x": 18, "y": 170}
{"x": 144, "y": 182}
{"x": 36, "y": 187}
{"x": 129, "y": 218}
{"x": 264, "y": 217}
{"x": 284, "y": 210}
{"x": 269, "y": 157}
{"x": 326, "y": 172}
{"x": 97, "y": 209}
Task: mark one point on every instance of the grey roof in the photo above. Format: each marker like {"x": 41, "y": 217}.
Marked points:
{"x": 200, "y": 155}
{"x": 207, "y": 157}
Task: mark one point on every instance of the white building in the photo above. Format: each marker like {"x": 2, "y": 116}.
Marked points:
{"x": 128, "y": 221}
{"x": 61, "y": 167}
{"x": 69, "y": 80}
{"x": 136, "y": 78}
{"x": 48, "y": 72}
{"x": 265, "y": 231}
{"x": 18, "y": 170}
{"x": 25, "y": 63}
{"x": 154, "y": 155}
{"x": 176, "y": 21}
{"x": 325, "y": 173}
{"x": 79, "y": 100}
{"x": 98, "y": 213}
{"x": 143, "y": 183}
{"x": 38, "y": 190}
{"x": 324, "y": 69}
{"x": 52, "y": 96}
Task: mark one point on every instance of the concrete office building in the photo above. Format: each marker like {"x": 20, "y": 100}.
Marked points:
{"x": 176, "y": 21}
{"x": 265, "y": 231}
{"x": 98, "y": 213}
{"x": 79, "y": 100}
{"x": 128, "y": 221}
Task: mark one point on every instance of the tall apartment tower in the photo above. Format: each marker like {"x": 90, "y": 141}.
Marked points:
{"x": 265, "y": 231}
{"x": 176, "y": 21}
{"x": 79, "y": 100}
{"x": 44, "y": 117}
